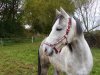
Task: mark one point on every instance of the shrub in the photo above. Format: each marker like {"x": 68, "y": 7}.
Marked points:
{"x": 93, "y": 38}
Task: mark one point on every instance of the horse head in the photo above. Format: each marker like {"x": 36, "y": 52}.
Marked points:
{"x": 63, "y": 32}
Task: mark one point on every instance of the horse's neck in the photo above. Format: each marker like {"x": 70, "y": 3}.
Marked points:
{"x": 81, "y": 48}
{"x": 79, "y": 43}
{"x": 82, "y": 53}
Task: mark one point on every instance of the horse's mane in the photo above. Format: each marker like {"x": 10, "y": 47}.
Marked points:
{"x": 79, "y": 31}
{"x": 78, "y": 26}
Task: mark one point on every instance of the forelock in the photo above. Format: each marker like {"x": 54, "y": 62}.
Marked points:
{"x": 57, "y": 17}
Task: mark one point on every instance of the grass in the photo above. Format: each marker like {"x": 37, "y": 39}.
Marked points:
{"x": 21, "y": 59}
{"x": 18, "y": 59}
{"x": 96, "y": 57}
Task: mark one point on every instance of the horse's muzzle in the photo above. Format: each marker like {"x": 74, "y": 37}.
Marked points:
{"x": 48, "y": 53}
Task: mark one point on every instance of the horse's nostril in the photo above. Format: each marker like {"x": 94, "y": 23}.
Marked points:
{"x": 45, "y": 49}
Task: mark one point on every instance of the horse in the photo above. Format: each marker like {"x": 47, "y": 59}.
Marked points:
{"x": 65, "y": 48}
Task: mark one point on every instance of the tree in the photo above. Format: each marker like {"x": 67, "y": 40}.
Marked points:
{"x": 9, "y": 18}
{"x": 87, "y": 10}
{"x": 40, "y": 14}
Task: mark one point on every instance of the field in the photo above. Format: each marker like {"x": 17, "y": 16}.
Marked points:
{"x": 21, "y": 59}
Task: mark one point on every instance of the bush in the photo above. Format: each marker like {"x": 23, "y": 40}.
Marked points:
{"x": 93, "y": 38}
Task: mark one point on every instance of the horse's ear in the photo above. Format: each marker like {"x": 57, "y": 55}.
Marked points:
{"x": 57, "y": 12}
{"x": 63, "y": 12}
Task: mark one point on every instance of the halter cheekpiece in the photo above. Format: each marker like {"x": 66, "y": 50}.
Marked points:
{"x": 61, "y": 39}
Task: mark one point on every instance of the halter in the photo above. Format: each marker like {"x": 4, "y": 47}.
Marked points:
{"x": 61, "y": 39}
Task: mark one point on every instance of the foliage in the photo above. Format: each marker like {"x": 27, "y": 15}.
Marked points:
{"x": 40, "y": 13}
{"x": 93, "y": 38}
{"x": 9, "y": 18}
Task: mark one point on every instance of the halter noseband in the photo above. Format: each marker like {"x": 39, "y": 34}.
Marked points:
{"x": 64, "y": 37}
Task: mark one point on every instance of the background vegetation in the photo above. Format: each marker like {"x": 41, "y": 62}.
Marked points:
{"x": 10, "y": 25}
{"x": 18, "y": 56}
{"x": 37, "y": 13}
{"x": 40, "y": 13}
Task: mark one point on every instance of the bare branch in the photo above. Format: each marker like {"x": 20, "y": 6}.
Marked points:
{"x": 94, "y": 27}
{"x": 87, "y": 9}
{"x": 95, "y": 13}
{"x": 1, "y": 4}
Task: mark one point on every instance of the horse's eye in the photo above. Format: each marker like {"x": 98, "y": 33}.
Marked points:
{"x": 58, "y": 29}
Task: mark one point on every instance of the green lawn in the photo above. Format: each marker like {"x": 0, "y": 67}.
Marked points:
{"x": 21, "y": 59}
{"x": 18, "y": 59}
